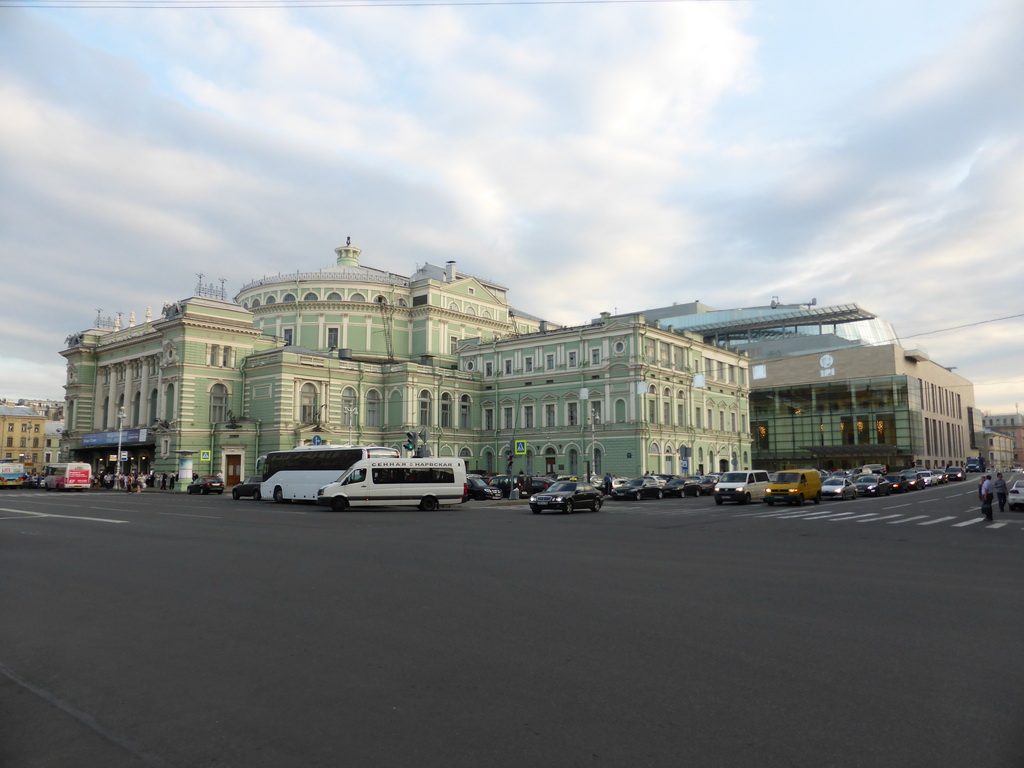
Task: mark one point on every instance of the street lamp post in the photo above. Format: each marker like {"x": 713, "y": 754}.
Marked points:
{"x": 120, "y": 433}
{"x": 350, "y": 416}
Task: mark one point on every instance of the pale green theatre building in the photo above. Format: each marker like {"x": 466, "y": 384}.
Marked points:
{"x": 350, "y": 354}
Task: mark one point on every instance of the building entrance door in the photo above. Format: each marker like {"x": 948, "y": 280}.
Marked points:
{"x": 234, "y": 470}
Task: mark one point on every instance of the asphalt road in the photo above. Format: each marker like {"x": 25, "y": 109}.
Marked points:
{"x": 165, "y": 630}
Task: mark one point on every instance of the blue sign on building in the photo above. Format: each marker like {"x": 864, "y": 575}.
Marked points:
{"x": 128, "y": 437}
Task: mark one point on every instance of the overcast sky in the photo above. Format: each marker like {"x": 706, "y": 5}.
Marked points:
{"x": 592, "y": 157}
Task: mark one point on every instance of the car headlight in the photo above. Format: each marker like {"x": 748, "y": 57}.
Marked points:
{"x": 533, "y": 499}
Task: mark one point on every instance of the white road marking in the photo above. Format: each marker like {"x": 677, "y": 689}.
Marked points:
{"x": 995, "y": 525}
{"x": 968, "y": 522}
{"x": 938, "y": 520}
{"x": 66, "y": 517}
{"x": 908, "y": 519}
{"x": 884, "y": 517}
{"x": 897, "y": 506}
{"x": 872, "y": 515}
{"x": 185, "y": 514}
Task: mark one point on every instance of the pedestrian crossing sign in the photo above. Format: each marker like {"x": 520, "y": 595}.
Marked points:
{"x": 520, "y": 447}
{"x": 204, "y": 455}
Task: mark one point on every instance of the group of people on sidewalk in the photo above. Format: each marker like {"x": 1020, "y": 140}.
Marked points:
{"x": 990, "y": 490}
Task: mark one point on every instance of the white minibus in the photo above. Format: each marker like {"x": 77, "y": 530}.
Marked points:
{"x": 424, "y": 483}
{"x": 66, "y": 477}
{"x": 299, "y": 473}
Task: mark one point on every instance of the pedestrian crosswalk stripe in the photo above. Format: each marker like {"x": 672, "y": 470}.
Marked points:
{"x": 908, "y": 519}
{"x": 885, "y": 517}
{"x": 968, "y": 522}
{"x": 995, "y": 525}
{"x": 938, "y": 520}
{"x": 872, "y": 514}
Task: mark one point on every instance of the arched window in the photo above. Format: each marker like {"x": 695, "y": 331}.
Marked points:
{"x": 373, "y": 408}
{"x": 453, "y": 305}
{"x": 255, "y": 303}
{"x": 271, "y": 300}
{"x": 357, "y": 297}
{"x": 486, "y": 315}
{"x": 620, "y": 411}
{"x": 136, "y": 408}
{"x": 574, "y": 462}
{"x": 470, "y": 311}
{"x": 446, "y": 410}
{"x": 106, "y": 413}
{"x": 464, "y": 405}
{"x": 488, "y": 461}
{"x": 288, "y": 297}
{"x": 598, "y": 462}
{"x": 169, "y": 403}
{"x": 379, "y": 299}
{"x": 402, "y": 303}
{"x": 395, "y": 409}
{"x": 465, "y": 453}
{"x": 424, "y": 416}
{"x": 307, "y": 404}
{"x": 348, "y": 407}
{"x": 334, "y": 296}
{"x": 311, "y": 297}
{"x": 151, "y": 407}
{"x": 218, "y": 403}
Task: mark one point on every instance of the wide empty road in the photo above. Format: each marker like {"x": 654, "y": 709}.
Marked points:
{"x": 164, "y": 630}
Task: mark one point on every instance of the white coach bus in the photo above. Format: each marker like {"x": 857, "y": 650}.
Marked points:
{"x": 424, "y": 483}
{"x": 299, "y": 473}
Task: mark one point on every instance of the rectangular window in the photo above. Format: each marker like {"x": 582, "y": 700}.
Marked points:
{"x": 527, "y": 417}
{"x": 453, "y": 343}
{"x": 488, "y": 369}
{"x": 214, "y": 354}
{"x": 595, "y": 412}
{"x": 573, "y": 414}
{"x": 288, "y": 336}
{"x": 508, "y": 366}
{"x": 507, "y": 413}
{"x": 681, "y": 415}
{"x": 226, "y": 358}
{"x": 332, "y": 338}
{"x": 733, "y": 417}
{"x": 572, "y": 359}
{"x": 528, "y": 364}
{"x": 549, "y": 362}
{"x": 667, "y": 413}
{"x": 489, "y": 419}
{"x": 549, "y": 415}
{"x": 696, "y": 418}
{"x": 595, "y": 356}
{"x": 721, "y": 421}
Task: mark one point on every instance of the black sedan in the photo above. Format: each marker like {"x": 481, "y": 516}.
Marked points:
{"x": 205, "y": 484}
{"x": 638, "y": 488}
{"x": 567, "y": 496}
{"x": 872, "y": 485}
{"x": 954, "y": 473}
{"x": 912, "y": 479}
{"x": 249, "y": 489}
{"x": 477, "y": 489}
{"x": 677, "y": 486}
{"x": 897, "y": 483}
{"x": 533, "y": 484}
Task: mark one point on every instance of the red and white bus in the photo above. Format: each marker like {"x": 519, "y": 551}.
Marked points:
{"x": 71, "y": 476}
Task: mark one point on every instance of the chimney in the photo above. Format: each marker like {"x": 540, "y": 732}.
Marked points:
{"x": 450, "y": 272}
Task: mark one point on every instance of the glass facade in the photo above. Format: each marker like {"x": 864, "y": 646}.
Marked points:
{"x": 840, "y": 424}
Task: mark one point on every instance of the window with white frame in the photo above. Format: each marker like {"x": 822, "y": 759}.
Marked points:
{"x": 489, "y": 419}
{"x": 464, "y": 412}
{"x": 549, "y": 414}
{"x": 595, "y": 356}
{"x": 508, "y": 418}
{"x": 549, "y": 362}
{"x": 348, "y": 407}
{"x": 528, "y": 417}
{"x": 424, "y": 401}
{"x": 307, "y": 404}
{"x": 573, "y": 414}
{"x": 218, "y": 403}
{"x": 571, "y": 361}
{"x": 488, "y": 368}
{"x": 373, "y": 408}
{"x": 508, "y": 366}
{"x": 446, "y": 410}
{"x": 332, "y": 338}
{"x": 527, "y": 364}
{"x": 453, "y": 343}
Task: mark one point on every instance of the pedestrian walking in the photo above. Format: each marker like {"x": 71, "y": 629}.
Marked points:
{"x": 607, "y": 483}
{"x": 985, "y": 494}
{"x": 171, "y": 477}
{"x": 999, "y": 485}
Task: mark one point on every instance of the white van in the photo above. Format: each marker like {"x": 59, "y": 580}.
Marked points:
{"x": 743, "y": 487}
{"x": 425, "y": 483}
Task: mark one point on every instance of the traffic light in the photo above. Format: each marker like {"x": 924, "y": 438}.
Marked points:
{"x": 424, "y": 451}
{"x": 410, "y": 441}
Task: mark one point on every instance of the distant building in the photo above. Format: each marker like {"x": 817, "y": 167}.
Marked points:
{"x": 21, "y": 434}
{"x": 1011, "y": 424}
{"x": 998, "y": 450}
